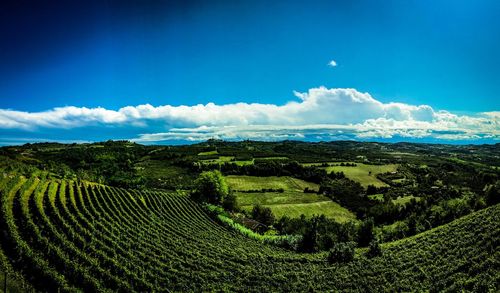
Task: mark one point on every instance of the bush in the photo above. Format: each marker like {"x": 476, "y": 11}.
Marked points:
{"x": 342, "y": 252}
{"x": 263, "y": 215}
{"x": 365, "y": 234}
{"x": 375, "y": 249}
{"x": 230, "y": 203}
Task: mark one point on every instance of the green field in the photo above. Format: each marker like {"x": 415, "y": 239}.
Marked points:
{"x": 361, "y": 173}
{"x": 69, "y": 236}
{"x": 244, "y": 183}
{"x": 227, "y": 159}
{"x": 294, "y": 210}
{"x": 293, "y": 202}
{"x": 221, "y": 159}
{"x": 209, "y": 153}
{"x": 272, "y": 198}
{"x": 273, "y": 158}
{"x": 405, "y": 199}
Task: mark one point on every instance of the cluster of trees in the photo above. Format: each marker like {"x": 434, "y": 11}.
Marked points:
{"x": 347, "y": 193}
{"x": 272, "y": 168}
{"x": 320, "y": 233}
{"x": 211, "y": 187}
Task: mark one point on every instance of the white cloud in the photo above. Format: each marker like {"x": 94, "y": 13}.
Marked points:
{"x": 319, "y": 112}
{"x": 332, "y": 63}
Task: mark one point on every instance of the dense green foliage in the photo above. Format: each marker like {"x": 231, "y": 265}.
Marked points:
{"x": 118, "y": 216}
{"x": 342, "y": 252}
{"x": 210, "y": 187}
{"x": 71, "y": 236}
{"x": 263, "y": 215}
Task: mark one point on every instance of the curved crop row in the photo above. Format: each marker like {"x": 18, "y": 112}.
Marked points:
{"x": 81, "y": 236}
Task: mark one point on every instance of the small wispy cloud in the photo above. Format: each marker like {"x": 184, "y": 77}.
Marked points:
{"x": 332, "y": 63}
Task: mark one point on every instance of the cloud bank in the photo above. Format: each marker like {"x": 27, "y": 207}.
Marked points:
{"x": 318, "y": 114}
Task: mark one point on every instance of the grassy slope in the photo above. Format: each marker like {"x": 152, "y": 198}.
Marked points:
{"x": 243, "y": 183}
{"x": 328, "y": 208}
{"x": 201, "y": 256}
{"x": 405, "y": 199}
{"x": 293, "y": 202}
{"x": 361, "y": 174}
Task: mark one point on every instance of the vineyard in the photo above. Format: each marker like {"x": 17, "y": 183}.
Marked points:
{"x": 81, "y": 236}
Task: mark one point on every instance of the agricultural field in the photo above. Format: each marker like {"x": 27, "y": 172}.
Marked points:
{"x": 246, "y": 183}
{"x": 327, "y": 207}
{"x": 119, "y": 216}
{"x": 292, "y": 202}
{"x": 209, "y": 153}
{"x": 69, "y": 236}
{"x": 405, "y": 199}
{"x": 361, "y": 172}
{"x": 227, "y": 159}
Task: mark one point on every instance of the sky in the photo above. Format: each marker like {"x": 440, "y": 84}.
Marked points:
{"x": 161, "y": 72}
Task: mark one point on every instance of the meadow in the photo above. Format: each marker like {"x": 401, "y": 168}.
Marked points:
{"x": 246, "y": 183}
{"x": 363, "y": 173}
{"x": 292, "y": 201}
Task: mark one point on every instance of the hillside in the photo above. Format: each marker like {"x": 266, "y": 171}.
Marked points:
{"x": 82, "y": 236}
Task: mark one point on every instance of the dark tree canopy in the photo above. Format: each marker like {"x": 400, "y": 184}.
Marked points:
{"x": 210, "y": 187}
{"x": 263, "y": 215}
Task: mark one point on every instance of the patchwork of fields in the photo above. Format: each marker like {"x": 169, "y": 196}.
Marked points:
{"x": 292, "y": 202}
{"x": 363, "y": 173}
{"x": 60, "y": 235}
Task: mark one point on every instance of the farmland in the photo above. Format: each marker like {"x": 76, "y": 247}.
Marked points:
{"x": 118, "y": 216}
{"x": 363, "y": 173}
{"x": 246, "y": 183}
{"x": 291, "y": 201}
{"x": 70, "y": 235}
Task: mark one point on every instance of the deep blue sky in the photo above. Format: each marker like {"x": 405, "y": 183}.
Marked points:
{"x": 117, "y": 53}
{"x": 113, "y": 54}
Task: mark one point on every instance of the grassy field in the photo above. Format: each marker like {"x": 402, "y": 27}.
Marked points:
{"x": 244, "y": 183}
{"x": 221, "y": 159}
{"x": 226, "y": 159}
{"x": 210, "y": 153}
{"x": 361, "y": 173}
{"x": 271, "y": 198}
{"x": 294, "y": 210}
{"x": 293, "y": 202}
{"x": 405, "y": 199}
{"x": 273, "y": 158}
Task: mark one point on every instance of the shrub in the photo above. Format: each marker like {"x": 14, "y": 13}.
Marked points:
{"x": 374, "y": 249}
{"x": 230, "y": 203}
{"x": 342, "y": 252}
{"x": 263, "y": 215}
{"x": 365, "y": 235}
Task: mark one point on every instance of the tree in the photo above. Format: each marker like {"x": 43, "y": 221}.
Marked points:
{"x": 342, "y": 252}
{"x": 210, "y": 187}
{"x": 371, "y": 189}
{"x": 310, "y": 237}
{"x": 263, "y": 215}
{"x": 230, "y": 202}
{"x": 365, "y": 235}
{"x": 492, "y": 193}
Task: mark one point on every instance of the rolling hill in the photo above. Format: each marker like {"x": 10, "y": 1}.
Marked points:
{"x": 81, "y": 236}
